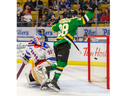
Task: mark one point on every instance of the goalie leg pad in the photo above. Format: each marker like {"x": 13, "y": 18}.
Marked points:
{"x": 45, "y": 75}
{"x": 29, "y": 79}
{"x": 41, "y": 78}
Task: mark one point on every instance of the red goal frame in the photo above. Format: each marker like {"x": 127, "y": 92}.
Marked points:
{"x": 107, "y": 61}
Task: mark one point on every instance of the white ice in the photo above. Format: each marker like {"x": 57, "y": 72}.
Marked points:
{"x": 73, "y": 82}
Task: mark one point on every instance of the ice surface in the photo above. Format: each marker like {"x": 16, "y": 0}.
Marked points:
{"x": 73, "y": 82}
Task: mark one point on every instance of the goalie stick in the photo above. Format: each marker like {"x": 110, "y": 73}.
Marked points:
{"x": 19, "y": 72}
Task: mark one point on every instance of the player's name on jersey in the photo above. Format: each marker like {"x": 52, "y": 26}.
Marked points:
{"x": 65, "y": 20}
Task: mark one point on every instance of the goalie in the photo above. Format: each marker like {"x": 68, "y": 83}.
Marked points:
{"x": 42, "y": 55}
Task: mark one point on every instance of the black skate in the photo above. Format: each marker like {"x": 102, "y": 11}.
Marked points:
{"x": 45, "y": 86}
{"x": 53, "y": 85}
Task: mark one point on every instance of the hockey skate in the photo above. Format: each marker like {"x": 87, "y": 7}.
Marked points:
{"x": 53, "y": 85}
{"x": 44, "y": 86}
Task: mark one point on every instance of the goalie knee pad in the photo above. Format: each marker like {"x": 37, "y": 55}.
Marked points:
{"x": 39, "y": 76}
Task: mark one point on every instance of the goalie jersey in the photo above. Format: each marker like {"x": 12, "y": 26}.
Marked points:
{"x": 40, "y": 53}
{"x": 67, "y": 29}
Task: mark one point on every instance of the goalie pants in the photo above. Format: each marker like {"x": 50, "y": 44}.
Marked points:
{"x": 62, "y": 54}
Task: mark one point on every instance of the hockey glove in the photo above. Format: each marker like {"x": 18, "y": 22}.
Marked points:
{"x": 56, "y": 21}
{"x": 92, "y": 7}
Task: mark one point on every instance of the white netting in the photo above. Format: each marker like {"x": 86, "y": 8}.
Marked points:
{"x": 98, "y": 74}
{"x": 98, "y": 68}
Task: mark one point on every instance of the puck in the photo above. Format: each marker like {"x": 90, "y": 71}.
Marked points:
{"x": 95, "y": 58}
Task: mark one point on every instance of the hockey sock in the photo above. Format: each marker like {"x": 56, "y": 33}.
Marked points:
{"x": 57, "y": 75}
{"x": 53, "y": 66}
{"x": 88, "y": 16}
{"x": 60, "y": 65}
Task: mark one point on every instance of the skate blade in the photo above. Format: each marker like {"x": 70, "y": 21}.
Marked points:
{"x": 44, "y": 88}
{"x": 53, "y": 88}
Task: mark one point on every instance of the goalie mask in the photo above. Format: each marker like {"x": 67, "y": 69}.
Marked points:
{"x": 38, "y": 38}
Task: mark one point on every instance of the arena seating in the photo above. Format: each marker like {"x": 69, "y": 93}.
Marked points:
{"x": 103, "y": 7}
{"x": 33, "y": 13}
{"x": 84, "y": 0}
{"x": 73, "y": 6}
{"x": 45, "y": 2}
{"x": 101, "y": 25}
{"x": 19, "y": 1}
{"x": 55, "y": 12}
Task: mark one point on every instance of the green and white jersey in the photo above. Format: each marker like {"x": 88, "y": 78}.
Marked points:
{"x": 67, "y": 29}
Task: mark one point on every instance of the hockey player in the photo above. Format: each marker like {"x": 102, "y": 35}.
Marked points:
{"x": 67, "y": 29}
{"x": 42, "y": 55}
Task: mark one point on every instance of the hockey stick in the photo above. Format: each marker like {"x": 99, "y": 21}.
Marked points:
{"x": 77, "y": 47}
{"x": 66, "y": 37}
{"x": 21, "y": 68}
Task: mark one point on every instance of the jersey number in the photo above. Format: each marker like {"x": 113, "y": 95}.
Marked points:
{"x": 49, "y": 52}
{"x": 64, "y": 29}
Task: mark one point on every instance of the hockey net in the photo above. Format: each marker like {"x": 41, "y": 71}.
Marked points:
{"x": 98, "y": 60}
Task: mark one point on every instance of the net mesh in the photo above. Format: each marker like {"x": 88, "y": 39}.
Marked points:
{"x": 98, "y": 61}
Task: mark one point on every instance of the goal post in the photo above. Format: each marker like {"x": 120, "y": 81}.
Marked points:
{"x": 107, "y": 58}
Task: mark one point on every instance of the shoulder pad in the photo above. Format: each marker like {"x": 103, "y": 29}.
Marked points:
{"x": 45, "y": 46}
{"x": 30, "y": 43}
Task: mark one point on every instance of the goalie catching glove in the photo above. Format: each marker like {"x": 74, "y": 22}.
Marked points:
{"x": 24, "y": 59}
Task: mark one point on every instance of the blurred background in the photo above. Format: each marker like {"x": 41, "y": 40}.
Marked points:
{"x": 34, "y": 15}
